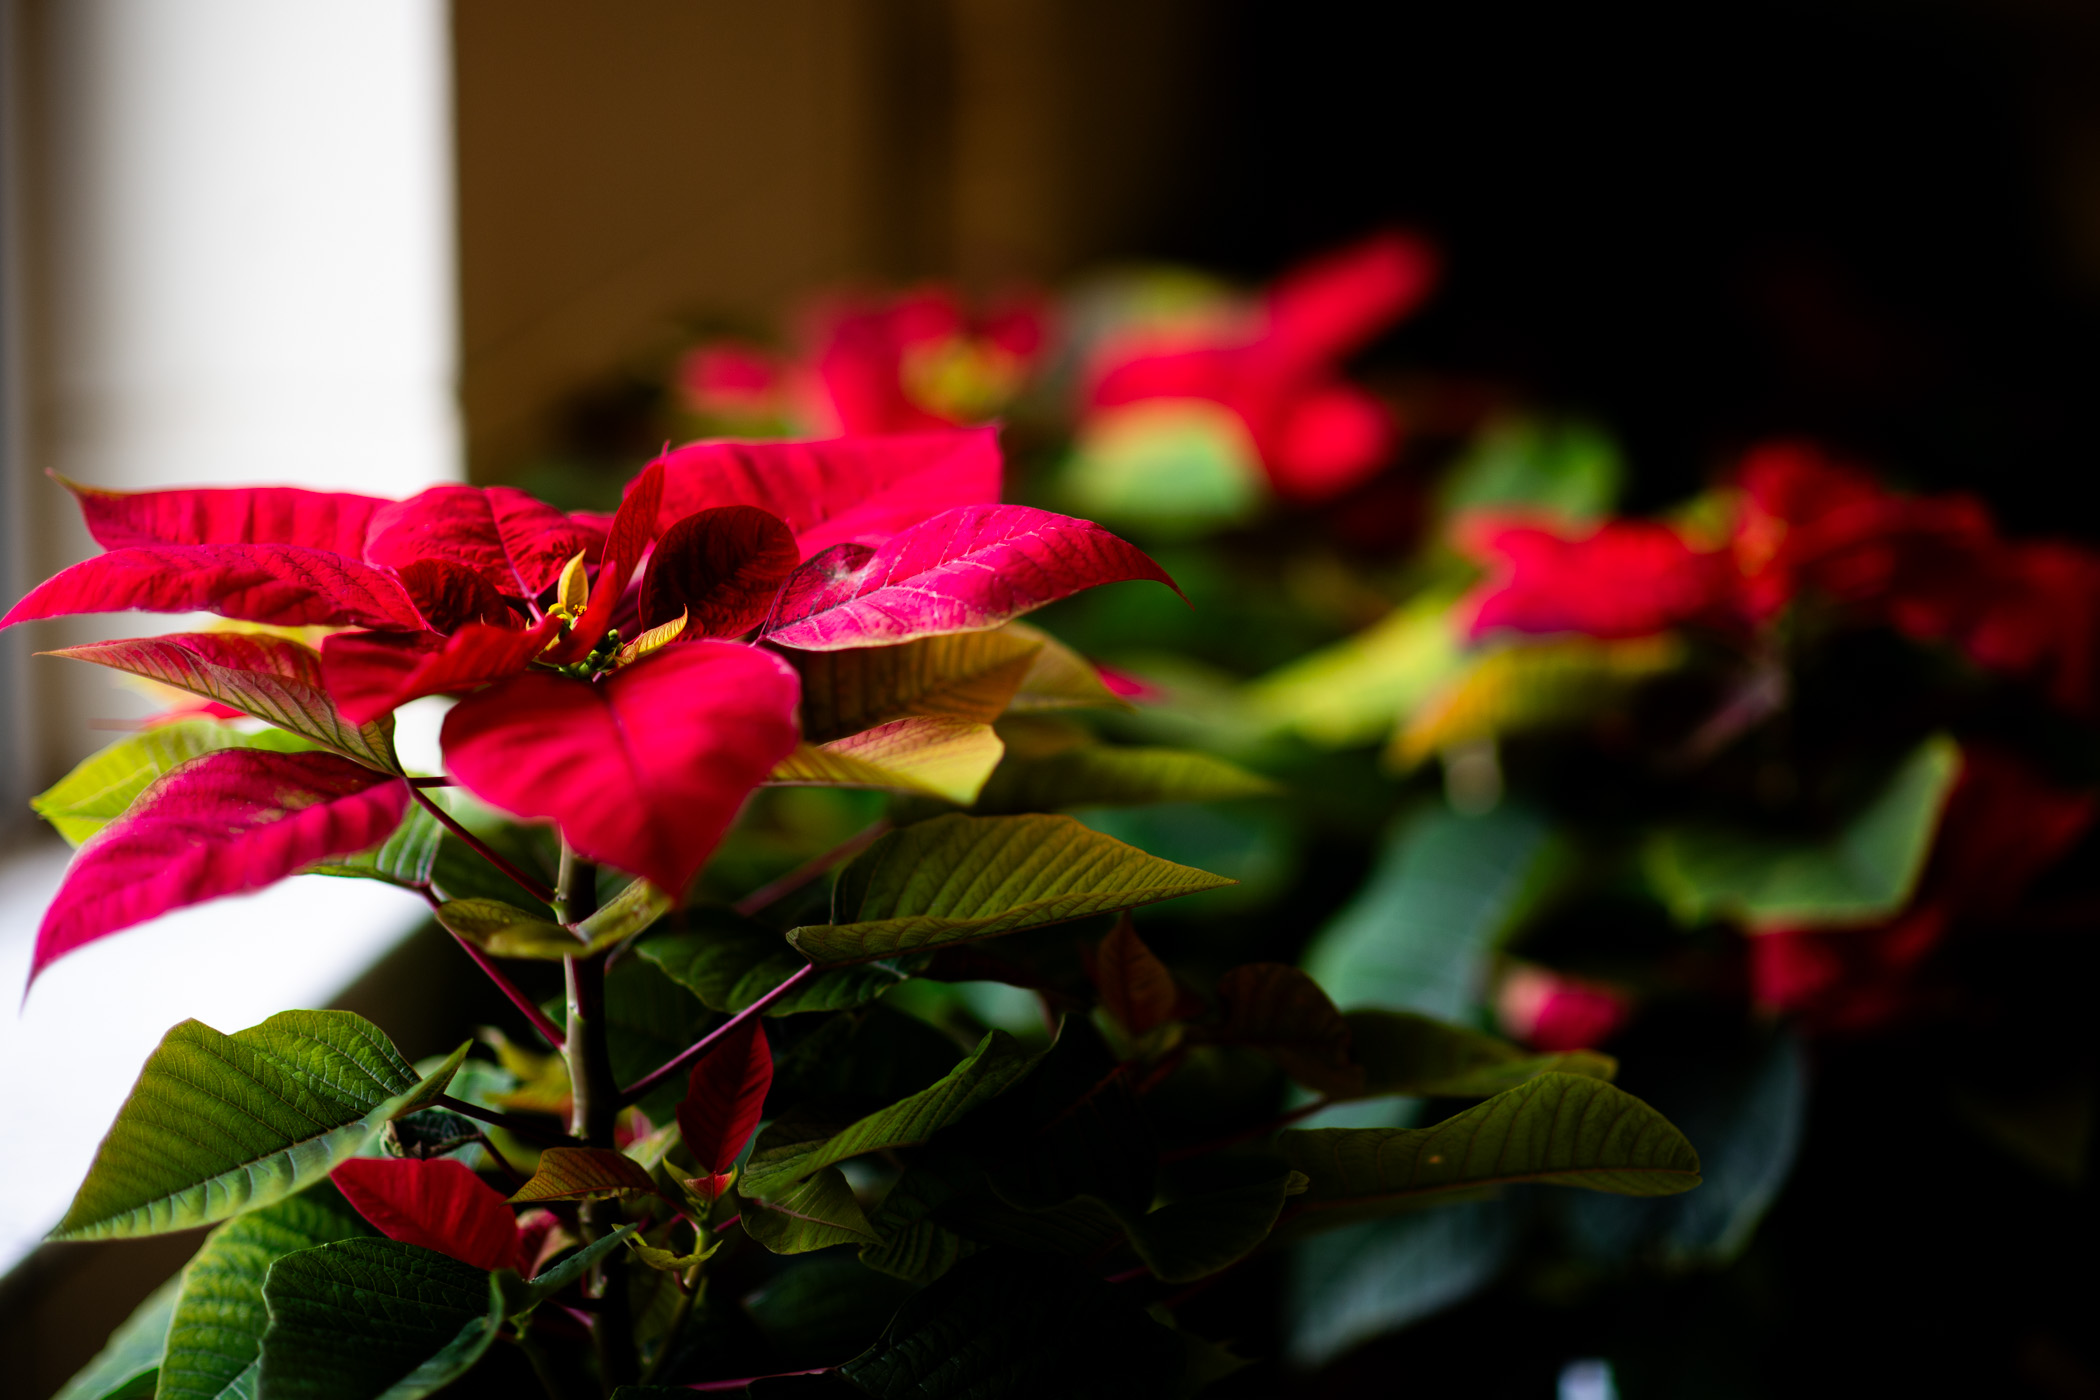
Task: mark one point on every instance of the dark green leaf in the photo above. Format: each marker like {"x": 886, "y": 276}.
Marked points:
{"x": 407, "y": 858}
{"x": 370, "y": 1318}
{"x": 729, "y": 962}
{"x": 1351, "y": 1284}
{"x": 1403, "y": 1053}
{"x": 1007, "y": 1327}
{"x": 957, "y": 878}
{"x": 1558, "y": 1129}
{"x": 998, "y": 1063}
{"x": 128, "y": 1366}
{"x": 814, "y": 1213}
{"x": 215, "y": 1344}
{"x": 219, "y": 1124}
{"x": 1199, "y": 1234}
{"x": 1862, "y": 873}
{"x": 1445, "y": 890}
{"x": 1097, "y": 775}
{"x": 911, "y": 1245}
{"x": 822, "y": 1310}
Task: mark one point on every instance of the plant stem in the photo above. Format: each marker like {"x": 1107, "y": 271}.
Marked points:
{"x": 531, "y": 1132}
{"x": 537, "y": 889}
{"x": 810, "y": 869}
{"x": 541, "y": 1021}
{"x": 743, "y": 1382}
{"x": 693, "y": 1052}
{"x": 431, "y": 782}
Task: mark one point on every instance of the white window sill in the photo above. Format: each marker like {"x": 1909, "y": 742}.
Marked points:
{"x": 70, "y": 1054}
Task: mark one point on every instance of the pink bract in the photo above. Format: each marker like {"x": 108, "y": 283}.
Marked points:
{"x": 970, "y": 568}
{"x": 224, "y": 823}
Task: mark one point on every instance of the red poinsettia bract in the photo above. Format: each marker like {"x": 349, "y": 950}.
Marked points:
{"x": 1318, "y": 435}
{"x": 619, "y": 675}
{"x": 1806, "y": 527}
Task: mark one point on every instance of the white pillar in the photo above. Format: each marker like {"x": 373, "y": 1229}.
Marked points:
{"x": 243, "y": 269}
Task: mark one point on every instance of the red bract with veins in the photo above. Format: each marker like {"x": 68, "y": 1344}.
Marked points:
{"x": 1318, "y": 434}
{"x": 639, "y": 746}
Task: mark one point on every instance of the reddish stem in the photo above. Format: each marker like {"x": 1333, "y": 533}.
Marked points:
{"x": 1128, "y": 1274}
{"x": 687, "y": 1056}
{"x": 535, "y": 888}
{"x": 541, "y": 1021}
{"x": 723, "y": 1228}
{"x": 809, "y": 870}
{"x": 744, "y": 1381}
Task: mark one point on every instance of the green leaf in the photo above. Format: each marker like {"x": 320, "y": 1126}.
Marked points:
{"x": 1569, "y": 469}
{"x": 1860, "y": 874}
{"x": 1560, "y": 1129}
{"x": 1445, "y": 890}
{"x": 406, "y": 858}
{"x": 1175, "y": 468}
{"x": 814, "y": 1213}
{"x": 1199, "y": 1234}
{"x": 1059, "y": 678}
{"x": 1545, "y": 684}
{"x": 997, "y": 1064}
{"x": 98, "y": 791}
{"x": 503, "y": 930}
{"x": 373, "y": 1319}
{"x": 220, "y": 1124}
{"x": 128, "y": 1366}
{"x": 969, "y": 677}
{"x": 584, "y": 1174}
{"x": 520, "y": 1296}
{"x": 956, "y": 878}
{"x": 461, "y": 872}
{"x": 911, "y": 1246}
{"x": 1355, "y": 691}
{"x": 215, "y": 1344}
{"x": 1351, "y": 1284}
{"x": 730, "y": 962}
{"x": 1404, "y": 1053}
{"x": 1098, "y": 775}
{"x": 1002, "y": 1324}
{"x": 932, "y": 756}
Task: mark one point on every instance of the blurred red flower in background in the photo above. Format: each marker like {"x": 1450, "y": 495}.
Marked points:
{"x": 1318, "y": 435}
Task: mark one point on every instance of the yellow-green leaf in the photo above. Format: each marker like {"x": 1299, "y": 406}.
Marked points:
{"x": 98, "y": 791}
{"x": 931, "y": 756}
{"x": 1532, "y": 685}
{"x": 815, "y": 1213}
{"x": 1356, "y": 691}
{"x": 584, "y": 1174}
{"x": 968, "y": 677}
{"x": 1059, "y": 678}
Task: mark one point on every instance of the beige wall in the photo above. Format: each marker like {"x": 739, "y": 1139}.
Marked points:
{"x": 624, "y": 165}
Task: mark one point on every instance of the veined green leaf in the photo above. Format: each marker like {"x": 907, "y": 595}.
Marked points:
{"x": 373, "y": 1319}
{"x": 1101, "y": 775}
{"x": 910, "y": 1245}
{"x": 997, "y": 1064}
{"x": 730, "y": 962}
{"x": 1357, "y": 690}
{"x": 1862, "y": 873}
{"x": 1445, "y": 890}
{"x": 584, "y": 1174}
{"x": 1405, "y": 1053}
{"x": 407, "y": 858}
{"x": 517, "y": 1296}
{"x": 98, "y": 791}
{"x": 219, "y": 1124}
{"x": 955, "y": 878}
{"x": 503, "y": 930}
{"x": 968, "y": 677}
{"x": 1199, "y": 1234}
{"x": 1010, "y": 1324}
{"x": 933, "y": 756}
{"x": 1059, "y": 678}
{"x": 814, "y": 1213}
{"x": 1560, "y": 1129}
{"x": 128, "y": 1366}
{"x": 215, "y": 1343}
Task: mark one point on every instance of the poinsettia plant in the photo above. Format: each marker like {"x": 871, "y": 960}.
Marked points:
{"x": 739, "y": 1071}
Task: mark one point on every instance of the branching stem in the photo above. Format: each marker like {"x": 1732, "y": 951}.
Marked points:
{"x": 541, "y": 1021}
{"x": 693, "y": 1052}
{"x": 537, "y": 889}
{"x": 810, "y": 869}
